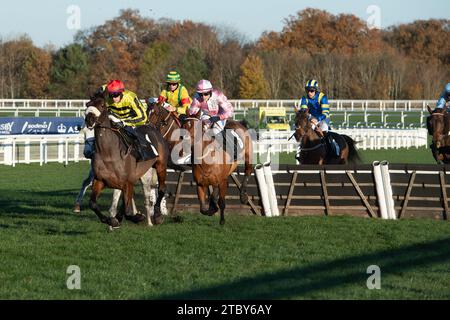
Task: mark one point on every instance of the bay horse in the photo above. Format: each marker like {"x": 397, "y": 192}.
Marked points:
{"x": 438, "y": 125}
{"x": 313, "y": 147}
{"x": 212, "y": 165}
{"x": 168, "y": 123}
{"x": 116, "y": 167}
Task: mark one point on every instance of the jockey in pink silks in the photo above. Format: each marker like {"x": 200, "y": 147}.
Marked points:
{"x": 213, "y": 104}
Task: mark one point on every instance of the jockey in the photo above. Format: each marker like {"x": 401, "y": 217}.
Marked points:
{"x": 213, "y": 104}
{"x": 444, "y": 98}
{"x": 127, "y": 111}
{"x": 214, "y": 107}
{"x": 317, "y": 104}
{"x": 175, "y": 97}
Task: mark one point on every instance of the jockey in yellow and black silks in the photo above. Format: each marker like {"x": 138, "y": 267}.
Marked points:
{"x": 128, "y": 112}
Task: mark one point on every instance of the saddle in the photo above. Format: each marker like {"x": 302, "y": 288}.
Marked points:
{"x": 137, "y": 144}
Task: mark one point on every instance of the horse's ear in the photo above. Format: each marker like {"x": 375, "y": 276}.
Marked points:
{"x": 90, "y": 103}
{"x": 429, "y": 109}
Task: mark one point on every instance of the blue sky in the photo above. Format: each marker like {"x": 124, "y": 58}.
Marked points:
{"x": 45, "y": 21}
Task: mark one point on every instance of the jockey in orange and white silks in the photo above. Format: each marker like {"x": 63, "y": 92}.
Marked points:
{"x": 213, "y": 104}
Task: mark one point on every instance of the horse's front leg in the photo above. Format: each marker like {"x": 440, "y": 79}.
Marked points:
{"x": 130, "y": 208}
{"x": 204, "y": 205}
{"x": 222, "y": 192}
{"x": 149, "y": 199}
{"x": 97, "y": 187}
{"x": 161, "y": 170}
{"x": 213, "y": 202}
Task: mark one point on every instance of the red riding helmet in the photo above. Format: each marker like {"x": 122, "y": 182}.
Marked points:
{"x": 115, "y": 86}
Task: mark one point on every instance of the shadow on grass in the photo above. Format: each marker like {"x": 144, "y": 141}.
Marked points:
{"x": 302, "y": 281}
{"x": 45, "y": 203}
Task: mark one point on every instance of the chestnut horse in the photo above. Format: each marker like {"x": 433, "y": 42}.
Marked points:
{"x": 313, "y": 148}
{"x": 116, "y": 167}
{"x": 212, "y": 165}
{"x": 438, "y": 125}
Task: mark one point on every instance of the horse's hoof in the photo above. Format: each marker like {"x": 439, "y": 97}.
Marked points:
{"x": 137, "y": 218}
{"x": 210, "y": 212}
{"x": 157, "y": 219}
{"x": 113, "y": 222}
{"x": 77, "y": 208}
{"x": 222, "y": 222}
{"x": 244, "y": 198}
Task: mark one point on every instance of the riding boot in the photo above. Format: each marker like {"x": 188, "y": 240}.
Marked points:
{"x": 331, "y": 145}
{"x": 144, "y": 148}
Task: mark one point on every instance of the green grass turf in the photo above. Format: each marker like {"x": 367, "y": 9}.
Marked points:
{"x": 248, "y": 258}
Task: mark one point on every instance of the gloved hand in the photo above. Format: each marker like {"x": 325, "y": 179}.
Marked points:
{"x": 169, "y": 107}
{"x": 214, "y": 119}
{"x": 117, "y": 122}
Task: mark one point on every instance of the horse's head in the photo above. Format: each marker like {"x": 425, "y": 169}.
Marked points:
{"x": 191, "y": 124}
{"x": 302, "y": 124}
{"x": 95, "y": 108}
{"x": 156, "y": 113}
{"x": 438, "y": 125}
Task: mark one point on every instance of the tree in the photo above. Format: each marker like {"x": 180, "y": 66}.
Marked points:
{"x": 193, "y": 67}
{"x": 153, "y": 69}
{"x": 36, "y": 73}
{"x": 69, "y": 73}
{"x": 24, "y": 69}
{"x": 252, "y": 84}
{"x": 116, "y": 47}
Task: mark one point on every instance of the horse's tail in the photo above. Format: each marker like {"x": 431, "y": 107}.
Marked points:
{"x": 353, "y": 155}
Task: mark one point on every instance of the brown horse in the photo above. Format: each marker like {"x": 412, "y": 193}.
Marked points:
{"x": 313, "y": 147}
{"x": 167, "y": 123}
{"x": 212, "y": 165}
{"x": 438, "y": 125}
{"x": 116, "y": 167}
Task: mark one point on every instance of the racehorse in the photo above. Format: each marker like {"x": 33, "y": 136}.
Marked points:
{"x": 167, "y": 123}
{"x": 115, "y": 166}
{"x": 213, "y": 165}
{"x": 147, "y": 184}
{"x": 438, "y": 125}
{"x": 313, "y": 148}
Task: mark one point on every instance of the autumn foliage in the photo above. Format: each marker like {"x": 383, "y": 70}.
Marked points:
{"x": 350, "y": 60}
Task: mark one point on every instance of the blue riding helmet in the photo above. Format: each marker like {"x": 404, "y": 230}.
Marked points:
{"x": 447, "y": 88}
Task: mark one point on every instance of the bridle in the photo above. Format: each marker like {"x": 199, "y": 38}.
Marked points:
{"x": 300, "y": 139}
{"x": 161, "y": 123}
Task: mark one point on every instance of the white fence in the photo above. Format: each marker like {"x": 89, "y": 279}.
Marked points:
{"x": 239, "y": 104}
{"x": 367, "y": 139}
{"x": 68, "y": 148}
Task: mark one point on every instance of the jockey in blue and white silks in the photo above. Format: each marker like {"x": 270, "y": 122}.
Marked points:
{"x": 444, "y": 99}
{"x": 316, "y": 103}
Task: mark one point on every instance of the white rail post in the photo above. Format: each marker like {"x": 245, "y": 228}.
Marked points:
{"x": 76, "y": 150}
{"x": 27, "y": 152}
{"x": 380, "y": 190}
{"x": 8, "y": 151}
{"x": 61, "y": 150}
